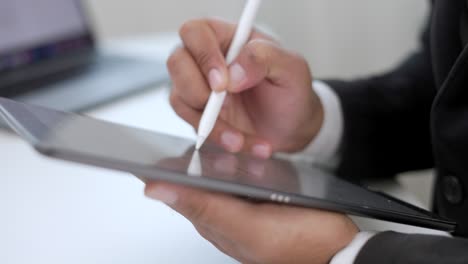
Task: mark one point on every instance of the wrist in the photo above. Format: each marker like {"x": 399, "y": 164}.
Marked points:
{"x": 327, "y": 131}
{"x": 349, "y": 253}
{"x": 309, "y": 129}
{"x": 346, "y": 237}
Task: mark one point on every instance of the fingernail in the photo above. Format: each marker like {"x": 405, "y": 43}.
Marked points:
{"x": 256, "y": 168}
{"x": 232, "y": 141}
{"x": 162, "y": 194}
{"x": 215, "y": 78}
{"x": 226, "y": 163}
{"x": 261, "y": 151}
{"x": 237, "y": 75}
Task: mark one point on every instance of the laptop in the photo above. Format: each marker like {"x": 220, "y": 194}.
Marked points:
{"x": 48, "y": 57}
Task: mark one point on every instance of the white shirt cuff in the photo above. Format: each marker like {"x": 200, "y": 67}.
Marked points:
{"x": 324, "y": 149}
{"x": 349, "y": 254}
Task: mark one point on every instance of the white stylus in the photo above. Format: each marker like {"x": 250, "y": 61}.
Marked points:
{"x": 216, "y": 100}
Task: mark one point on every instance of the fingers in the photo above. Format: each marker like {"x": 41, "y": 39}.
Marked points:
{"x": 223, "y": 134}
{"x": 264, "y": 60}
{"x": 189, "y": 85}
{"x": 220, "y": 213}
{"x": 261, "y": 233}
{"x": 201, "y": 41}
{"x": 199, "y": 67}
{"x": 208, "y": 41}
{"x": 220, "y": 218}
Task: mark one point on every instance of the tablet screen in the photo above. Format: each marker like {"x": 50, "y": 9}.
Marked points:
{"x": 116, "y": 143}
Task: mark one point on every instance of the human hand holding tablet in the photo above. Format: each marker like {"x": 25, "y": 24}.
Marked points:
{"x": 159, "y": 157}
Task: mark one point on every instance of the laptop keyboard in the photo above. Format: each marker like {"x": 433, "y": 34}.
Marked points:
{"x": 106, "y": 79}
{"x": 35, "y": 77}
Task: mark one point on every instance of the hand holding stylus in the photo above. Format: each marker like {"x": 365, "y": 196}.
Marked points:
{"x": 270, "y": 105}
{"x": 216, "y": 100}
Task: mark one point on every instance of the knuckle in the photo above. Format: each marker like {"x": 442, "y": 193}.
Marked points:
{"x": 194, "y": 97}
{"x": 260, "y": 51}
{"x": 204, "y": 58}
{"x": 203, "y": 232}
{"x": 199, "y": 101}
{"x": 201, "y": 213}
{"x": 188, "y": 27}
{"x": 181, "y": 109}
{"x": 194, "y": 34}
{"x": 174, "y": 59}
{"x": 300, "y": 60}
{"x": 303, "y": 68}
{"x": 174, "y": 101}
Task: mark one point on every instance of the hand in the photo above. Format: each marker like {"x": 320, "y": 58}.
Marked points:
{"x": 259, "y": 233}
{"x": 271, "y": 105}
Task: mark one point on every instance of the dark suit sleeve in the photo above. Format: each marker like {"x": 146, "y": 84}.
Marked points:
{"x": 391, "y": 247}
{"x": 387, "y": 120}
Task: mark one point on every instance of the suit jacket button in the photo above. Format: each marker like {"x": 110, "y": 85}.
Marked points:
{"x": 452, "y": 189}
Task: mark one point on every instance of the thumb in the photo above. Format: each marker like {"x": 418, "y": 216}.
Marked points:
{"x": 221, "y": 212}
{"x": 261, "y": 60}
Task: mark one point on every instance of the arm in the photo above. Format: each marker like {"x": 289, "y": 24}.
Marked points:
{"x": 387, "y": 119}
{"x": 391, "y": 247}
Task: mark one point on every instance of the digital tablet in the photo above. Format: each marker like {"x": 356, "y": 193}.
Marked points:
{"x": 156, "y": 156}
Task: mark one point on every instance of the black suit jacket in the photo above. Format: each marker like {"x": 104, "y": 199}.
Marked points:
{"x": 416, "y": 117}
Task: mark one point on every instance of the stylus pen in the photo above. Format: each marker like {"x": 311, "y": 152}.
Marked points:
{"x": 215, "y": 102}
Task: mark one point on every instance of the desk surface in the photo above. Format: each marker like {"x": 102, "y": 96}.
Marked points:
{"x": 57, "y": 212}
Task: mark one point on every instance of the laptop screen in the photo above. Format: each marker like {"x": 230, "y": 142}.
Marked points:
{"x": 35, "y": 30}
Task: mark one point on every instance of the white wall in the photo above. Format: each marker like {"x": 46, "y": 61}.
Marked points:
{"x": 339, "y": 37}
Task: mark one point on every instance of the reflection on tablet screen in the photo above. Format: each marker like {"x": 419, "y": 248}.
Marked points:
{"x": 108, "y": 141}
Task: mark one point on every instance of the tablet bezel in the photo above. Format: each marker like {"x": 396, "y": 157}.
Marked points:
{"x": 24, "y": 123}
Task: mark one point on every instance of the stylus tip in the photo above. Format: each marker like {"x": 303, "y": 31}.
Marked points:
{"x": 200, "y": 141}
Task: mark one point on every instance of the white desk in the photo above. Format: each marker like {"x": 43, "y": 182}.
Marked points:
{"x": 54, "y": 212}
